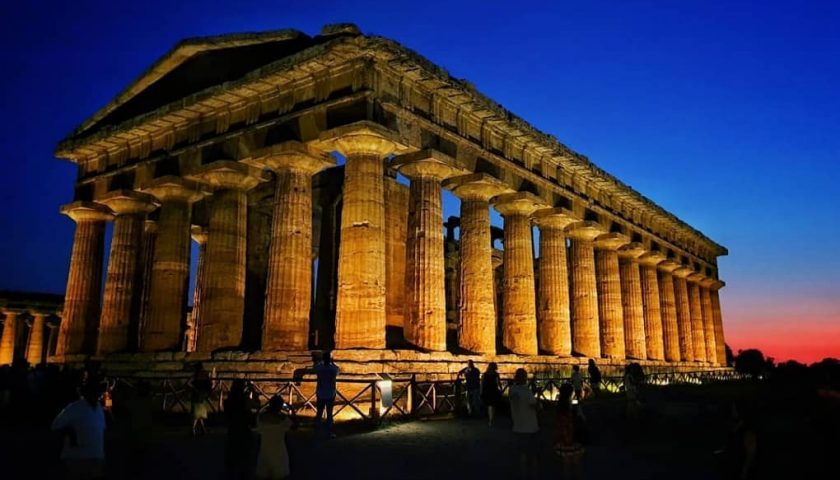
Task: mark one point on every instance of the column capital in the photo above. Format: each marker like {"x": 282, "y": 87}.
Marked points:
{"x": 291, "y": 155}
{"x": 428, "y": 163}
{"x": 128, "y": 202}
{"x": 717, "y": 285}
{"x": 611, "y": 241}
{"x": 518, "y": 203}
{"x": 631, "y": 251}
{"x": 81, "y": 211}
{"x": 557, "y": 217}
{"x": 651, "y": 259}
{"x": 199, "y": 234}
{"x": 171, "y": 187}
{"x": 695, "y": 277}
{"x": 14, "y": 312}
{"x": 361, "y": 138}
{"x": 586, "y": 230}
{"x": 477, "y": 186}
{"x": 682, "y": 271}
{"x": 707, "y": 282}
{"x": 227, "y": 175}
{"x": 668, "y": 265}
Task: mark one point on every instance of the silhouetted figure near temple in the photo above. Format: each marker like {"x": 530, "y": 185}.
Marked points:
{"x": 82, "y": 426}
{"x": 240, "y": 443}
{"x": 138, "y": 426}
{"x": 594, "y": 377}
{"x": 739, "y": 455}
{"x": 326, "y": 373}
{"x": 273, "y": 458}
{"x": 568, "y": 435}
{"x": 523, "y": 411}
{"x": 577, "y": 382}
{"x": 491, "y": 391}
{"x": 633, "y": 379}
{"x": 202, "y": 387}
{"x": 472, "y": 381}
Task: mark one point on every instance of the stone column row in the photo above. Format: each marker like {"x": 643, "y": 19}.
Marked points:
{"x": 35, "y": 348}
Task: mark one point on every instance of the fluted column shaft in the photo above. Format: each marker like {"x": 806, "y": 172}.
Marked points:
{"x": 698, "y": 336}
{"x": 683, "y": 319}
{"x": 161, "y": 329}
{"x": 708, "y": 324}
{"x": 147, "y": 261}
{"x": 610, "y": 312}
{"x": 668, "y": 309}
{"x": 631, "y": 301}
{"x": 360, "y": 303}
{"x": 35, "y": 345}
{"x": 477, "y": 304}
{"x": 720, "y": 341}
{"x": 585, "y": 326}
{"x": 199, "y": 235}
{"x": 554, "y": 327}
{"x": 519, "y": 330}
{"x": 7, "y": 341}
{"x": 80, "y": 318}
{"x": 654, "y": 341}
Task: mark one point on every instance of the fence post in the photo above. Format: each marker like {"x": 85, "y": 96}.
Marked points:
{"x": 374, "y": 410}
{"x": 409, "y": 402}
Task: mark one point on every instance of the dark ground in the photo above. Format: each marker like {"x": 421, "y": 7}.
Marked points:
{"x": 681, "y": 429}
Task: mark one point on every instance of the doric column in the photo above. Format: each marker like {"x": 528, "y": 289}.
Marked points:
{"x": 683, "y": 313}
{"x": 77, "y": 333}
{"x": 610, "y": 309}
{"x": 654, "y": 341}
{"x": 289, "y": 283}
{"x": 477, "y": 327}
{"x": 7, "y": 341}
{"x": 147, "y": 261}
{"x": 668, "y": 309}
{"x": 223, "y": 290}
{"x": 631, "y": 301}
{"x": 425, "y": 273}
{"x": 161, "y": 329}
{"x": 586, "y": 339}
{"x": 360, "y": 304}
{"x": 720, "y": 341}
{"x": 554, "y": 325}
{"x": 199, "y": 235}
{"x": 698, "y": 333}
{"x": 519, "y": 325}
{"x": 121, "y": 300}
{"x": 35, "y": 343}
{"x": 708, "y": 320}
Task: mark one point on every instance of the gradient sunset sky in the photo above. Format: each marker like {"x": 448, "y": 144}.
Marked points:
{"x": 725, "y": 113}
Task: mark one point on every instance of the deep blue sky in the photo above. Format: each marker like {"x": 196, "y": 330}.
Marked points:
{"x": 725, "y": 113}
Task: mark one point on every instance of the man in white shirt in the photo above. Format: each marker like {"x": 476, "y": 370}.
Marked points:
{"x": 523, "y": 411}
{"x": 83, "y": 422}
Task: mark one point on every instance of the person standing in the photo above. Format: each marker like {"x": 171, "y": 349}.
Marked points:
{"x": 567, "y": 445}
{"x": 240, "y": 441}
{"x": 273, "y": 458}
{"x": 491, "y": 391}
{"x": 472, "y": 379}
{"x": 82, "y": 424}
{"x": 523, "y": 412}
{"x": 594, "y": 377}
{"x": 577, "y": 382}
{"x": 202, "y": 387}
{"x": 326, "y": 373}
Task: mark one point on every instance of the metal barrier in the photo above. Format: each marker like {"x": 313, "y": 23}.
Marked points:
{"x": 361, "y": 399}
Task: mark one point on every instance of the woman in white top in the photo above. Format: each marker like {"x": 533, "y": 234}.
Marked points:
{"x": 273, "y": 458}
{"x": 523, "y": 411}
{"x": 83, "y": 423}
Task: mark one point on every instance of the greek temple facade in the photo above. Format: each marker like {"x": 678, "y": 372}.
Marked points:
{"x": 308, "y": 173}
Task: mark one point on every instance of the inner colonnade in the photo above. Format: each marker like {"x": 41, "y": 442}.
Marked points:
{"x": 246, "y": 169}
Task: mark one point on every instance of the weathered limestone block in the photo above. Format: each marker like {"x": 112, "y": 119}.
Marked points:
{"x": 35, "y": 344}
{"x": 683, "y": 314}
{"x": 698, "y": 334}
{"x": 289, "y": 287}
{"x": 80, "y": 318}
{"x": 708, "y": 320}
{"x": 631, "y": 301}
{"x": 161, "y": 329}
{"x": 425, "y": 275}
{"x": 121, "y": 300}
{"x": 586, "y": 339}
{"x": 199, "y": 236}
{"x": 668, "y": 308}
{"x": 519, "y": 333}
{"x": 554, "y": 328}
{"x": 610, "y": 309}
{"x": 654, "y": 341}
{"x": 396, "y": 232}
{"x": 7, "y": 341}
{"x": 223, "y": 290}
{"x": 360, "y": 304}
{"x": 477, "y": 328}
{"x": 720, "y": 341}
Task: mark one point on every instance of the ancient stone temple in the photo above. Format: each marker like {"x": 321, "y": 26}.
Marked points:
{"x": 308, "y": 174}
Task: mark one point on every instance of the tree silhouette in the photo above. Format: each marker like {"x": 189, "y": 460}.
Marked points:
{"x": 750, "y": 362}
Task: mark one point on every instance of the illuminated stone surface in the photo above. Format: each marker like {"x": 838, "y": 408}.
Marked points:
{"x": 654, "y": 340}
{"x": 586, "y": 338}
{"x": 683, "y": 313}
{"x": 199, "y": 236}
{"x": 698, "y": 334}
{"x": 7, "y": 340}
{"x": 396, "y": 232}
{"x": 35, "y": 343}
{"x": 668, "y": 310}
{"x": 80, "y": 319}
{"x": 608, "y": 284}
{"x": 708, "y": 320}
{"x": 120, "y": 302}
{"x": 631, "y": 301}
{"x": 720, "y": 345}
